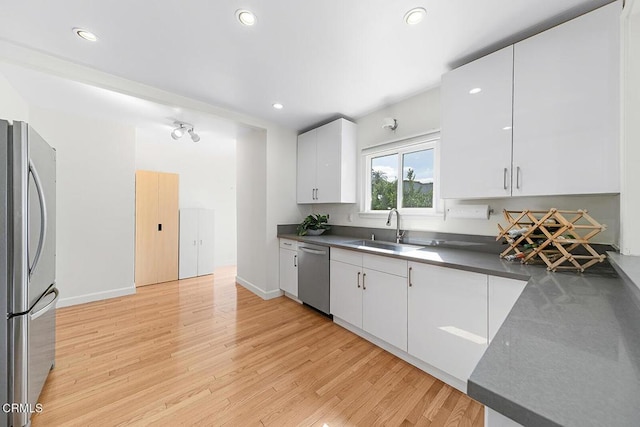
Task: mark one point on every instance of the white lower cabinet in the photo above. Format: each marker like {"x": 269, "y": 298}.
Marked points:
{"x": 289, "y": 267}
{"x": 346, "y": 292}
{"x": 503, "y": 294}
{"x": 447, "y": 318}
{"x": 443, "y": 317}
{"x": 384, "y": 306}
{"x": 366, "y": 296}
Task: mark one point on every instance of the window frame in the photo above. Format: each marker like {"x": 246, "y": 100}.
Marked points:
{"x": 401, "y": 147}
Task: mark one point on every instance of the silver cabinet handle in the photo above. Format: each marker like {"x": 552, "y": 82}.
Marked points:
{"x": 313, "y": 193}
{"x": 43, "y": 217}
{"x": 317, "y": 194}
{"x": 410, "y": 284}
{"x": 363, "y": 284}
{"x": 295, "y": 260}
{"x": 518, "y": 177}
{"x": 286, "y": 244}
{"x": 359, "y": 273}
{"x": 47, "y": 307}
{"x": 504, "y": 179}
{"x": 194, "y": 243}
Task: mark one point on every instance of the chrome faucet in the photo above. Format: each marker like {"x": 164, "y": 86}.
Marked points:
{"x": 399, "y": 233}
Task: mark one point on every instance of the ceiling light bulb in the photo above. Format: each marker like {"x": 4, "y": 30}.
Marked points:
{"x": 415, "y": 16}
{"x": 178, "y": 132}
{"x": 85, "y": 34}
{"x": 194, "y": 136}
{"x": 278, "y": 106}
{"x": 475, "y": 90}
{"x": 246, "y": 17}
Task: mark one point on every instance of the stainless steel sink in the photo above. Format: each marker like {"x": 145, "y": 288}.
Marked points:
{"x": 376, "y": 245}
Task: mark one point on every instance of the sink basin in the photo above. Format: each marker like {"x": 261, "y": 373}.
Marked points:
{"x": 376, "y": 245}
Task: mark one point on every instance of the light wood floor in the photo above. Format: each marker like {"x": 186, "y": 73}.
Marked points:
{"x": 205, "y": 351}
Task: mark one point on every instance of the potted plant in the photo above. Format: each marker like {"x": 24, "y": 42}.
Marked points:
{"x": 313, "y": 225}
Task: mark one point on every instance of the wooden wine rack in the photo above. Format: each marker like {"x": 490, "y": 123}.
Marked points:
{"x": 551, "y": 236}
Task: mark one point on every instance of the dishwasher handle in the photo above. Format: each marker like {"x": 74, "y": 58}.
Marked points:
{"x": 312, "y": 251}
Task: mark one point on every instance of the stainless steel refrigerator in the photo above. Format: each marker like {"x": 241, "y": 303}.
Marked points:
{"x": 28, "y": 292}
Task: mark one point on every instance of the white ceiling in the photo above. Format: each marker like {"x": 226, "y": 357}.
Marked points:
{"x": 319, "y": 58}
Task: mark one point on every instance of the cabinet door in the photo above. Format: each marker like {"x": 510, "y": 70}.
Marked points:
{"x": 188, "y": 243}
{"x": 329, "y": 162}
{"x": 447, "y": 318}
{"x": 503, "y": 294}
{"x": 566, "y": 107}
{"x": 384, "y": 307}
{"x": 146, "y": 227}
{"x": 289, "y": 271}
{"x": 168, "y": 235}
{"x": 206, "y": 235}
{"x": 306, "y": 174}
{"x": 345, "y": 294}
{"x": 475, "y": 156}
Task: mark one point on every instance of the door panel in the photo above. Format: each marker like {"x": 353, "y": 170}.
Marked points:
{"x": 346, "y": 292}
{"x": 206, "y": 234}
{"x": 329, "y": 163}
{"x": 306, "y": 175}
{"x": 167, "y": 249}
{"x": 384, "y": 307}
{"x": 146, "y": 227}
{"x": 41, "y": 200}
{"x": 188, "y": 243}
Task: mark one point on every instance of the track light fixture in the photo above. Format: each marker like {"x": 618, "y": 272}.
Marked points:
{"x": 181, "y": 128}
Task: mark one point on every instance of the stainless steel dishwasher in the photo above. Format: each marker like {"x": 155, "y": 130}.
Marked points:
{"x": 313, "y": 276}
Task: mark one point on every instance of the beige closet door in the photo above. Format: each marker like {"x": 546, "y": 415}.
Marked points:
{"x": 168, "y": 236}
{"x": 156, "y": 227}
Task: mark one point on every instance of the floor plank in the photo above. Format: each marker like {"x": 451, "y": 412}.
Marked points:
{"x": 205, "y": 351}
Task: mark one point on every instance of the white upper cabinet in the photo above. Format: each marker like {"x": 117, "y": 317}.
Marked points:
{"x": 546, "y": 118}
{"x": 566, "y": 107}
{"x": 327, "y": 164}
{"x": 475, "y": 151}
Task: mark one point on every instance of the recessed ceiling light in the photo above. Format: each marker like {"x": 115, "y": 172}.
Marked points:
{"x": 278, "y": 106}
{"x": 246, "y": 17}
{"x": 475, "y": 90}
{"x": 415, "y": 15}
{"x": 85, "y": 34}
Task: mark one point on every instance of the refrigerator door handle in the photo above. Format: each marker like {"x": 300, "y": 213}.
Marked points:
{"x": 47, "y": 307}
{"x": 43, "y": 216}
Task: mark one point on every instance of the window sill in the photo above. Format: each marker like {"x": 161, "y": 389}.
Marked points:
{"x": 404, "y": 214}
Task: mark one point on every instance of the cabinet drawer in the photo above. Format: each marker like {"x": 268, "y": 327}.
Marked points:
{"x": 289, "y": 244}
{"x": 384, "y": 264}
{"x": 348, "y": 257}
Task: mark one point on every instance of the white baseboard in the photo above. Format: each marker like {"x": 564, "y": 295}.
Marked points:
{"x": 96, "y": 296}
{"x": 431, "y": 370}
{"x": 266, "y": 295}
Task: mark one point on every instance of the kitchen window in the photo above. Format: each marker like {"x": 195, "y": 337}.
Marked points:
{"x": 402, "y": 175}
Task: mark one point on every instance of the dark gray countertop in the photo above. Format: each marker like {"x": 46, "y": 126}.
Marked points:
{"x": 569, "y": 351}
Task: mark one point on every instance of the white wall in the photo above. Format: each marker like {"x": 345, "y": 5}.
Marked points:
{"x": 630, "y": 150}
{"x": 251, "y": 197}
{"x": 12, "y": 105}
{"x": 207, "y": 172}
{"x": 95, "y": 204}
{"x": 421, "y": 114}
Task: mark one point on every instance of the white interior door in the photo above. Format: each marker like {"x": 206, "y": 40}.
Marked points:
{"x": 206, "y": 234}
